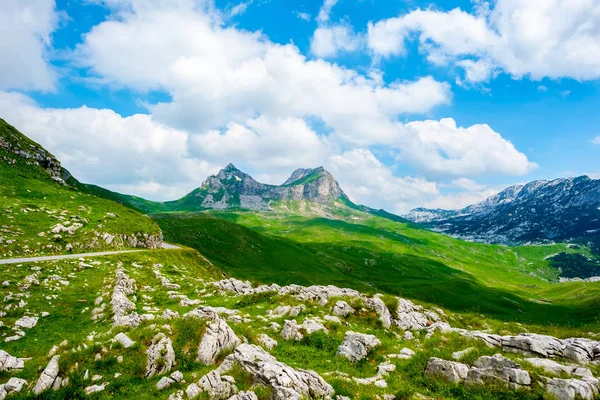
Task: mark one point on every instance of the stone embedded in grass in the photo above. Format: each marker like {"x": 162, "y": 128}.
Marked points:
{"x": 14, "y": 385}
{"x": 244, "y": 396}
{"x": 285, "y": 381}
{"x": 218, "y": 338}
{"x": 552, "y": 367}
{"x": 218, "y": 387}
{"x": 47, "y": 377}
{"x": 357, "y": 346}
{"x": 96, "y": 388}
{"x": 449, "y": 370}
{"x": 26, "y": 322}
{"x": 161, "y": 356}
{"x": 459, "y": 355}
{"x": 376, "y": 304}
{"x": 498, "y": 369}
{"x": 571, "y": 389}
{"x": 266, "y": 341}
{"x": 10, "y": 363}
{"x": 291, "y": 330}
{"x": 124, "y": 340}
{"x": 311, "y": 326}
{"x": 409, "y": 317}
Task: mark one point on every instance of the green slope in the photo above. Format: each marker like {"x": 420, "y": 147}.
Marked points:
{"x": 33, "y": 201}
{"x": 375, "y": 254}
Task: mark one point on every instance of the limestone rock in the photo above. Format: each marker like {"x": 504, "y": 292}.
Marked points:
{"x": 286, "y": 382}
{"x": 266, "y": 341}
{"x": 498, "y": 369}
{"x": 311, "y": 326}
{"x": 47, "y": 377}
{"x": 9, "y": 363}
{"x": 291, "y": 331}
{"x": 124, "y": 340}
{"x": 342, "y": 309}
{"x": 449, "y": 370}
{"x": 408, "y": 317}
{"x": 218, "y": 338}
{"x": 244, "y": 396}
{"x": 357, "y": 346}
{"x": 161, "y": 356}
{"x": 26, "y": 322}
{"x": 571, "y": 389}
{"x": 459, "y": 355}
{"x": 217, "y": 387}
{"x": 382, "y": 311}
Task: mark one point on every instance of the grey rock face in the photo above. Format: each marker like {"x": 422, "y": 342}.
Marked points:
{"x": 357, "y": 346}
{"x": 408, "y": 316}
{"x": 231, "y": 187}
{"x": 244, "y": 396}
{"x": 450, "y": 370}
{"x": 161, "y": 356}
{"x": 124, "y": 340}
{"x": 266, "y": 341}
{"x": 218, "y": 338}
{"x": 291, "y": 331}
{"x": 286, "y": 382}
{"x": 217, "y": 387}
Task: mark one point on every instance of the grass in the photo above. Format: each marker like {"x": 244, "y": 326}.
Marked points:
{"x": 31, "y": 204}
{"x": 375, "y": 254}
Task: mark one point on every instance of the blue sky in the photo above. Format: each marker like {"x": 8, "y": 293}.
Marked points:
{"x": 149, "y": 97}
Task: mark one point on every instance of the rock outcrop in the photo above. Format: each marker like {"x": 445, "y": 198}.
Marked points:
{"x": 161, "y": 356}
{"x": 357, "y": 346}
{"x": 285, "y": 382}
{"x": 219, "y": 337}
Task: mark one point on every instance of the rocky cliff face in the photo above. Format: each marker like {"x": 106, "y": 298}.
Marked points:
{"x": 231, "y": 188}
{"x": 540, "y": 211}
{"x": 16, "y": 144}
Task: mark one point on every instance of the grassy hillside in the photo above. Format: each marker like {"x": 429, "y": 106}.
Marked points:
{"x": 374, "y": 254}
{"x": 33, "y": 202}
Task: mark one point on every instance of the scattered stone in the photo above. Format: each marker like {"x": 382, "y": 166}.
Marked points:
{"x": 286, "y": 382}
{"x": 26, "y": 322}
{"x": 459, "y": 355}
{"x": 218, "y": 338}
{"x": 491, "y": 370}
{"x": 449, "y": 370}
{"x": 47, "y": 377}
{"x": 266, "y": 341}
{"x": 571, "y": 389}
{"x": 10, "y": 363}
{"x": 291, "y": 330}
{"x": 95, "y": 388}
{"x": 217, "y": 387}
{"x": 357, "y": 346}
{"x": 124, "y": 340}
{"x": 342, "y": 309}
{"x": 161, "y": 356}
{"x": 382, "y": 311}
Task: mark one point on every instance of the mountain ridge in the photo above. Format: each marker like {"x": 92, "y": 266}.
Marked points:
{"x": 540, "y": 211}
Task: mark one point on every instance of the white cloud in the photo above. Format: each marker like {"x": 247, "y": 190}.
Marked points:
{"x": 239, "y": 8}
{"x": 325, "y": 10}
{"x": 328, "y": 41}
{"x": 367, "y": 181}
{"x": 303, "y": 15}
{"x": 542, "y": 88}
{"x": 535, "y": 38}
{"x": 235, "y": 96}
{"x": 442, "y": 148}
{"x": 596, "y": 140}
{"x": 25, "y": 36}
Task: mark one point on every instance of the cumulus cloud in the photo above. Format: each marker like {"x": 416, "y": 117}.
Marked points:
{"x": 328, "y": 41}
{"x": 326, "y": 10}
{"x": 536, "y": 38}
{"x": 235, "y": 96}
{"x": 440, "y": 147}
{"x": 596, "y": 140}
{"x": 25, "y": 36}
{"x": 368, "y": 181}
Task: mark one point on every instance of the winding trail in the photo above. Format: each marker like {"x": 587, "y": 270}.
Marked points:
{"x": 68, "y": 256}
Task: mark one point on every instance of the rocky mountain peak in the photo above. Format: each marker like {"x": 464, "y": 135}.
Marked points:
{"x": 231, "y": 188}
{"x": 539, "y": 211}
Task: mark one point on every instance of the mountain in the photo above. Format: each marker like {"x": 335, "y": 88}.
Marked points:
{"x": 539, "y": 212}
{"x": 44, "y": 212}
{"x": 231, "y": 188}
